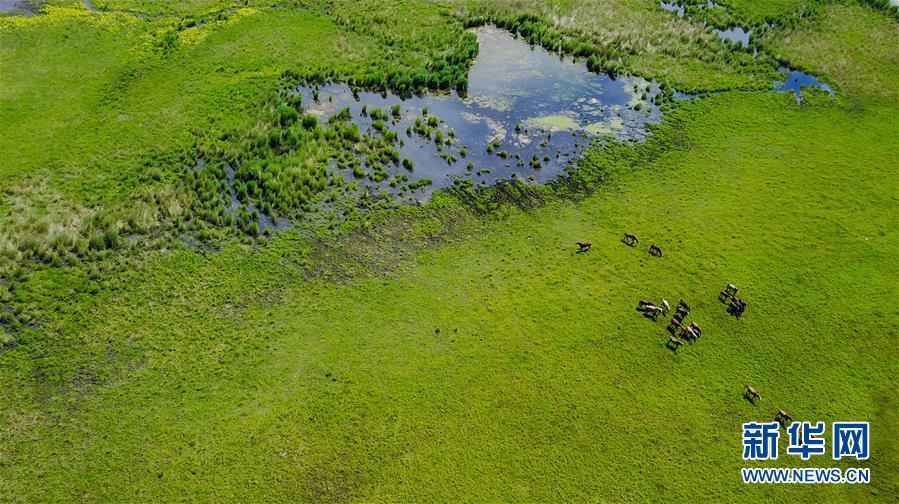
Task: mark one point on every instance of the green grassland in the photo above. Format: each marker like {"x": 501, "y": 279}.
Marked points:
{"x": 443, "y": 353}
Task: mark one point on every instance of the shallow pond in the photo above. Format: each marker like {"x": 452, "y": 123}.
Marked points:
{"x": 796, "y": 80}
{"x": 525, "y": 115}
{"x": 736, "y": 34}
{"x": 673, "y": 7}
{"x": 16, "y": 7}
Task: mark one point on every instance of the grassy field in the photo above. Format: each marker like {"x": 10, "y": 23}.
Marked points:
{"x": 445, "y": 355}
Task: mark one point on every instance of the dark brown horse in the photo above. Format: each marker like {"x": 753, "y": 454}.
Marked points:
{"x": 675, "y": 324}
{"x": 674, "y": 343}
{"x": 584, "y": 246}
{"x": 630, "y": 239}
{"x": 681, "y": 312}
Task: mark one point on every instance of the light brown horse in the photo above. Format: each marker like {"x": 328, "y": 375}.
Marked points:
{"x": 647, "y": 307}
{"x": 653, "y": 311}
{"x": 584, "y": 246}
{"x": 752, "y": 394}
{"x": 695, "y": 327}
{"x": 690, "y": 334}
{"x": 783, "y": 417}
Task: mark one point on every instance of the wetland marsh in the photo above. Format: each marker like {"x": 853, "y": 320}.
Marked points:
{"x": 524, "y": 114}
{"x": 324, "y": 251}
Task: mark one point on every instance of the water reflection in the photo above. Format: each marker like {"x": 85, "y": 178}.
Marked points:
{"x": 736, "y": 34}
{"x": 17, "y": 8}
{"x": 525, "y": 115}
{"x": 796, "y": 80}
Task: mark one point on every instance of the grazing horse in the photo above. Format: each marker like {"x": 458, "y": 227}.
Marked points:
{"x": 737, "y": 306}
{"x": 655, "y": 250}
{"x": 681, "y": 312}
{"x": 584, "y": 246}
{"x": 695, "y": 327}
{"x": 732, "y": 289}
{"x": 690, "y": 334}
{"x": 653, "y": 311}
{"x": 649, "y": 309}
{"x": 725, "y": 296}
{"x": 630, "y": 239}
{"x": 674, "y": 343}
{"x": 675, "y": 324}
{"x": 752, "y": 394}
{"x": 684, "y": 304}
{"x": 783, "y": 417}
{"x": 666, "y": 306}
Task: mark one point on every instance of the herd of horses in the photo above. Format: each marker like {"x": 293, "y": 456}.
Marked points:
{"x": 735, "y": 305}
{"x": 690, "y": 332}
